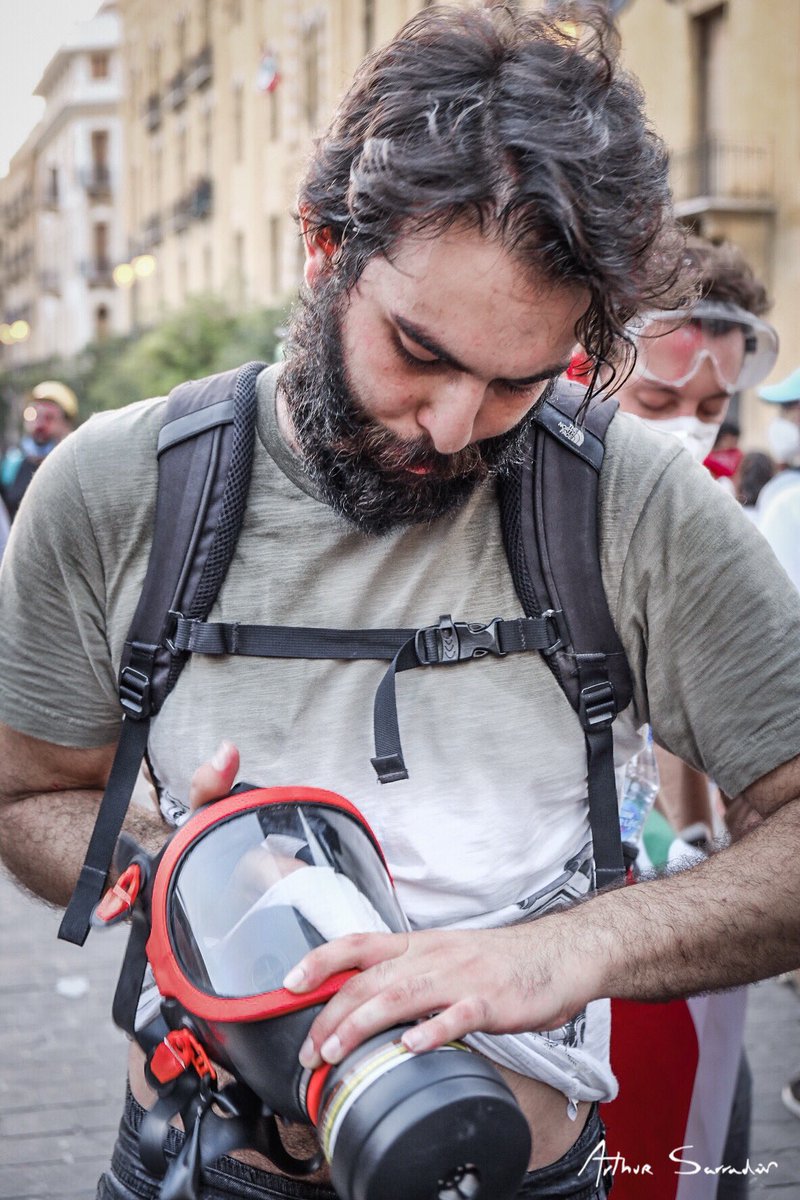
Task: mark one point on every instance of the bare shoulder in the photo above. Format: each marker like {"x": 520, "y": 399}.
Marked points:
{"x": 29, "y": 765}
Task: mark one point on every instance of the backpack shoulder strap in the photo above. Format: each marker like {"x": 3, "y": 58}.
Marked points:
{"x": 205, "y": 451}
{"x": 549, "y": 508}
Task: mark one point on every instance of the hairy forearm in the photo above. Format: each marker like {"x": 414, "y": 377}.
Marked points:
{"x": 43, "y": 838}
{"x": 732, "y": 920}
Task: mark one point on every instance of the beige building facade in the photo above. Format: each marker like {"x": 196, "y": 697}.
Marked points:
{"x": 60, "y": 214}
{"x": 223, "y": 101}
{"x": 722, "y": 82}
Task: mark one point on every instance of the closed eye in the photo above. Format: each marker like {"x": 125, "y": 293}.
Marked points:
{"x": 416, "y": 360}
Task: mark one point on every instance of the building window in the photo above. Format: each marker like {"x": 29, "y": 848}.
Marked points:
{"x": 102, "y": 322}
{"x": 180, "y": 41}
{"x": 238, "y": 266}
{"x": 238, "y": 122}
{"x": 709, "y": 33}
{"x": 208, "y": 141}
{"x": 312, "y": 46}
{"x": 369, "y": 25}
{"x": 100, "y": 65}
{"x": 100, "y": 242}
{"x": 99, "y": 151}
{"x": 274, "y": 115}
{"x": 154, "y": 66}
{"x": 182, "y": 161}
{"x": 275, "y": 256}
{"x": 53, "y": 187}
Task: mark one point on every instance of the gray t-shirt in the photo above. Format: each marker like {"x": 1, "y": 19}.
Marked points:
{"x": 492, "y": 825}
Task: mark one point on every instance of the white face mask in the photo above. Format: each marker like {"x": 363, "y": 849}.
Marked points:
{"x": 697, "y": 436}
{"x": 783, "y": 439}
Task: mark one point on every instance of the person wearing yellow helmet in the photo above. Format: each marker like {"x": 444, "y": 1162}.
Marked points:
{"x": 49, "y": 415}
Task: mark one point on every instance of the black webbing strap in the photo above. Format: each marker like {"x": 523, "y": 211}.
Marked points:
{"x": 205, "y": 453}
{"x": 550, "y": 525}
{"x": 92, "y": 879}
{"x": 562, "y": 468}
{"x": 447, "y": 642}
{"x": 597, "y": 710}
{"x": 281, "y": 641}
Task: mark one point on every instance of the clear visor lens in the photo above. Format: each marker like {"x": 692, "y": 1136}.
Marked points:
{"x": 254, "y": 893}
{"x": 672, "y": 347}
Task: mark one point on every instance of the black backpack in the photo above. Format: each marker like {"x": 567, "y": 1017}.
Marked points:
{"x": 549, "y": 520}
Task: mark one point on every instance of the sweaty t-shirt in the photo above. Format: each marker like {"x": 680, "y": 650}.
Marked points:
{"x": 492, "y": 825}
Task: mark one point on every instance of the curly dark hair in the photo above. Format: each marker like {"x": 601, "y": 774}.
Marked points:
{"x": 723, "y": 273}
{"x": 526, "y": 127}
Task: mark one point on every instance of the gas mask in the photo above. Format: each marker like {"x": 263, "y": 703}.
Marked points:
{"x": 235, "y": 899}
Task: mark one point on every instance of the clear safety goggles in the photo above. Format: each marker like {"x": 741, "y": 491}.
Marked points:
{"x": 673, "y": 345}
{"x": 249, "y": 885}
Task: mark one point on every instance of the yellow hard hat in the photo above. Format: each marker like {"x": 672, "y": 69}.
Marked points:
{"x": 60, "y": 394}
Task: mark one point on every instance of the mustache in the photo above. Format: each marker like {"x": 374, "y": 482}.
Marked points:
{"x": 387, "y": 452}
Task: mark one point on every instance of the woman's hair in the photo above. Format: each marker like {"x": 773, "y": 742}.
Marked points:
{"x": 522, "y": 125}
{"x": 723, "y": 273}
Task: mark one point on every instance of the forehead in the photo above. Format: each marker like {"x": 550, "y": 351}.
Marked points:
{"x": 663, "y": 337}
{"x": 469, "y": 291}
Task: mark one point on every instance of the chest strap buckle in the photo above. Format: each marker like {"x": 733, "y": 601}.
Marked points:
{"x": 456, "y": 641}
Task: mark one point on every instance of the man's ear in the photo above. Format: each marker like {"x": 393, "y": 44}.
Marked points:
{"x": 319, "y": 249}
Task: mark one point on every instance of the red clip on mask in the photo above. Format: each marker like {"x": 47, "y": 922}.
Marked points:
{"x": 241, "y": 892}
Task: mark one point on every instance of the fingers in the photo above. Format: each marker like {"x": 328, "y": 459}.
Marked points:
{"x": 214, "y": 779}
{"x": 366, "y": 1004}
{"x": 401, "y": 978}
{"x": 356, "y": 951}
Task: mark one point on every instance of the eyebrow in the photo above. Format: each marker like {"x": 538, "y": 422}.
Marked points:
{"x": 430, "y": 344}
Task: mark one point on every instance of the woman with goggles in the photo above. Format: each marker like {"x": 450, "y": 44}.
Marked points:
{"x": 688, "y": 365}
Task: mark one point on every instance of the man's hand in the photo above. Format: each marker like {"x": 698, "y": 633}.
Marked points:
{"x": 471, "y": 979}
{"x": 215, "y": 778}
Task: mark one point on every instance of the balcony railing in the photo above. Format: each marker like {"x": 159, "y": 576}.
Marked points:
{"x": 18, "y": 264}
{"x": 175, "y": 93}
{"x": 724, "y": 172}
{"x": 181, "y": 215}
{"x": 152, "y": 232}
{"x": 50, "y": 283}
{"x": 97, "y": 181}
{"x": 201, "y": 199}
{"x": 98, "y": 272}
{"x": 200, "y": 69}
{"x": 152, "y": 112}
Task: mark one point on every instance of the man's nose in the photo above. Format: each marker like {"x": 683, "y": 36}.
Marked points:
{"x": 449, "y": 413}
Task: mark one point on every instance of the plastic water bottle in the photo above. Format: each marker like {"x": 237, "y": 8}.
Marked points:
{"x": 639, "y": 791}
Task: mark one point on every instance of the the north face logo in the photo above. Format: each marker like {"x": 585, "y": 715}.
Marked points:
{"x": 571, "y": 432}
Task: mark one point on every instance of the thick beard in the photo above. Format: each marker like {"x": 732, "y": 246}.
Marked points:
{"x": 361, "y": 468}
